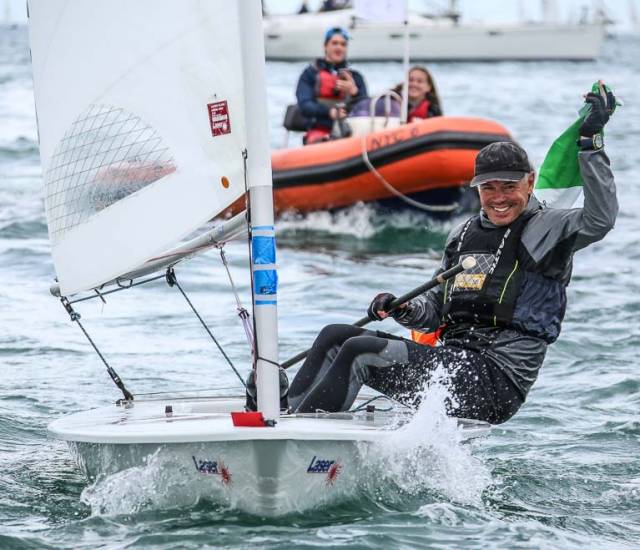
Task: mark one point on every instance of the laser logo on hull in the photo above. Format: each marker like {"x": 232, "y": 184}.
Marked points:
{"x": 319, "y": 466}
{"x": 213, "y": 467}
{"x": 325, "y": 466}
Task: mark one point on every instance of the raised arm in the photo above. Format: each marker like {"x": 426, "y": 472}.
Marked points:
{"x": 580, "y": 227}
{"x": 598, "y": 215}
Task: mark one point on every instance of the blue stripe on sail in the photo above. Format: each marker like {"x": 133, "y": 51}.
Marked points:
{"x": 266, "y": 302}
{"x": 263, "y": 250}
{"x": 263, "y": 228}
{"x": 265, "y": 282}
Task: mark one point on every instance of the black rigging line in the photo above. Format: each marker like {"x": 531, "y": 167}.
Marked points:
{"x": 75, "y": 316}
{"x": 172, "y": 281}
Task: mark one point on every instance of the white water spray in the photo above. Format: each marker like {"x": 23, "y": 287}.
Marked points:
{"x": 427, "y": 453}
{"x": 161, "y": 483}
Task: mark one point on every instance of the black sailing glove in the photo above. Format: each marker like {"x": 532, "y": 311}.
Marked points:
{"x": 601, "y": 110}
{"x": 380, "y": 303}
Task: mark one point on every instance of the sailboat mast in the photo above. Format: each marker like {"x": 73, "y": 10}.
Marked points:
{"x": 263, "y": 245}
{"x": 405, "y": 64}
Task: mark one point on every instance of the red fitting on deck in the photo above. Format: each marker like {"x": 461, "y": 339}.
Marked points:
{"x": 249, "y": 419}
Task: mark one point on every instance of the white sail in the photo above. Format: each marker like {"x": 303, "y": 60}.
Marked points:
{"x": 141, "y": 123}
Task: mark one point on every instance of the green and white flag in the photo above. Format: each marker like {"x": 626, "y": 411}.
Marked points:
{"x": 559, "y": 182}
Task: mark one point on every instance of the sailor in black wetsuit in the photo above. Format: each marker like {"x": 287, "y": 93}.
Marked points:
{"x": 496, "y": 321}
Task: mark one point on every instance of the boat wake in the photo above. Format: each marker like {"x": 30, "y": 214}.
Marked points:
{"x": 357, "y": 220}
{"x": 364, "y": 228}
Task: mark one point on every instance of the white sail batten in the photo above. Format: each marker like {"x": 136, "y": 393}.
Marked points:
{"x": 141, "y": 123}
{"x": 263, "y": 242}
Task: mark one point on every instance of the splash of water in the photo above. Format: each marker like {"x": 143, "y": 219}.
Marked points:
{"x": 430, "y": 453}
{"x": 158, "y": 484}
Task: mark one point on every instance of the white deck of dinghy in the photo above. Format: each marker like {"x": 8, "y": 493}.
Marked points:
{"x": 210, "y": 420}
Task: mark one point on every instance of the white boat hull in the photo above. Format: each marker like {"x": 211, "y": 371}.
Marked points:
{"x": 305, "y": 461}
{"x": 300, "y": 37}
{"x": 266, "y": 478}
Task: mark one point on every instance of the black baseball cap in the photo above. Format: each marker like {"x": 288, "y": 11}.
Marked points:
{"x": 501, "y": 161}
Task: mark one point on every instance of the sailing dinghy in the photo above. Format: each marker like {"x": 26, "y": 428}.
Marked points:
{"x": 152, "y": 120}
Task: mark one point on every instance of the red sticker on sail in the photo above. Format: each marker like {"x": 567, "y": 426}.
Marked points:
{"x": 219, "y": 118}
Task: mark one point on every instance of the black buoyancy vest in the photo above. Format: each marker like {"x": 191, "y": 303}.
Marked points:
{"x": 486, "y": 294}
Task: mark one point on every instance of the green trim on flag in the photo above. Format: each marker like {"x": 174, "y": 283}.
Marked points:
{"x": 560, "y": 168}
{"x": 559, "y": 179}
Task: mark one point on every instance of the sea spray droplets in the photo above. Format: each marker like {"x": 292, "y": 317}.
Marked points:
{"x": 428, "y": 453}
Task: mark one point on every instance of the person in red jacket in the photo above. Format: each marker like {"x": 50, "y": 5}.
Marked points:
{"x": 424, "y": 101}
{"x": 328, "y": 86}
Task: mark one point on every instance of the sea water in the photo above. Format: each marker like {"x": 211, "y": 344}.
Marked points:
{"x": 563, "y": 473}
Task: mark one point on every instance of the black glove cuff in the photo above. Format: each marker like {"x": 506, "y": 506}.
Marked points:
{"x": 594, "y": 143}
{"x": 402, "y": 312}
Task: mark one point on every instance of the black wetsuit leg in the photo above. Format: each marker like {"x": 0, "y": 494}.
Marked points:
{"x": 316, "y": 368}
{"x": 344, "y": 357}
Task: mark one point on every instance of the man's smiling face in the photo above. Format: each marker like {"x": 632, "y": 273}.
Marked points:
{"x": 504, "y": 201}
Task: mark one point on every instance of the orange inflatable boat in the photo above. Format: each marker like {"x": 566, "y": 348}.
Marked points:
{"x": 414, "y": 159}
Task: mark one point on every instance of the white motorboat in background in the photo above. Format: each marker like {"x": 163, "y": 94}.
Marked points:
{"x": 442, "y": 38}
{"x": 147, "y": 130}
